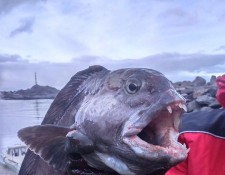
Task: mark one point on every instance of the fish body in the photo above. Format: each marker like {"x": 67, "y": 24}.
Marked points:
{"x": 124, "y": 121}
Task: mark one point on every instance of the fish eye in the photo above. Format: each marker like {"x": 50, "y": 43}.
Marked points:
{"x": 133, "y": 85}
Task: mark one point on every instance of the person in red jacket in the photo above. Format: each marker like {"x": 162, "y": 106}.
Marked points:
{"x": 204, "y": 133}
{"x": 220, "y": 95}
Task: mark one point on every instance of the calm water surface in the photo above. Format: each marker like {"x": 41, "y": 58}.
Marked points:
{"x": 17, "y": 114}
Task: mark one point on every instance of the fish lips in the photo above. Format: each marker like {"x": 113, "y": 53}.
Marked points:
{"x": 153, "y": 133}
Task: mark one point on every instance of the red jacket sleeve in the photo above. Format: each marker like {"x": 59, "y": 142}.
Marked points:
{"x": 206, "y": 156}
{"x": 203, "y": 132}
{"x": 221, "y": 90}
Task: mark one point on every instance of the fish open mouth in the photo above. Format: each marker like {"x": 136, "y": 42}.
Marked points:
{"x": 158, "y": 139}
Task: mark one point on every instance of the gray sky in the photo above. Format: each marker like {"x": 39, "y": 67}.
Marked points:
{"x": 56, "y": 38}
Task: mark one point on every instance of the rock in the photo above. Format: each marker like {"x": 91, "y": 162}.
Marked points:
{"x": 205, "y": 100}
{"x": 189, "y": 98}
{"x": 193, "y": 106}
{"x": 187, "y": 91}
{"x": 215, "y": 105}
{"x": 1, "y": 95}
{"x": 213, "y": 80}
{"x": 211, "y": 92}
{"x": 180, "y": 89}
{"x": 205, "y": 108}
{"x": 183, "y": 84}
{"x": 185, "y": 88}
{"x": 199, "y": 81}
{"x": 199, "y": 91}
{"x": 199, "y": 95}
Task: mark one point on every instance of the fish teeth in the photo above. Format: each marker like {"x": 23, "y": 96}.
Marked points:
{"x": 185, "y": 146}
{"x": 183, "y": 106}
{"x": 169, "y": 109}
{"x": 180, "y": 105}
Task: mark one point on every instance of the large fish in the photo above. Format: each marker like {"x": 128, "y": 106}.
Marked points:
{"x": 124, "y": 121}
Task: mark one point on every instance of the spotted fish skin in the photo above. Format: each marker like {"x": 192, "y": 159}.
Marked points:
{"x": 120, "y": 122}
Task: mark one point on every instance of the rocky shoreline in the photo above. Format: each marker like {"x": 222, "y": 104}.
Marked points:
{"x": 199, "y": 95}
{"x": 35, "y": 92}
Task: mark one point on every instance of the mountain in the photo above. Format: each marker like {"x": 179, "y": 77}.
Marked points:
{"x": 35, "y": 92}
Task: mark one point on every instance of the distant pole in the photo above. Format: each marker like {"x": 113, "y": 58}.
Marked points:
{"x": 35, "y": 78}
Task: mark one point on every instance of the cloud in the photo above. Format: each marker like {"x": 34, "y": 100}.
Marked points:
{"x": 176, "y": 66}
{"x": 8, "y": 69}
{"x": 178, "y": 17}
{"x": 19, "y": 74}
{"x": 24, "y": 27}
{"x": 116, "y": 29}
{"x": 7, "y": 5}
{"x": 10, "y": 58}
{"x": 185, "y": 62}
{"x": 221, "y": 48}
{"x": 168, "y": 63}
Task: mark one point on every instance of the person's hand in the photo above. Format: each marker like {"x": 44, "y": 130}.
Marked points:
{"x": 220, "y": 95}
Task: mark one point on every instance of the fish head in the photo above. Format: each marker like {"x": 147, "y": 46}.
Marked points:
{"x": 126, "y": 121}
{"x": 133, "y": 121}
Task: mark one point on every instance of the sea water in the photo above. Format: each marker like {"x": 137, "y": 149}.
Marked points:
{"x": 17, "y": 114}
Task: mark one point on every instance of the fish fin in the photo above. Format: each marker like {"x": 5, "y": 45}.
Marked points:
{"x": 70, "y": 94}
{"x": 47, "y": 141}
{"x": 78, "y": 143}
